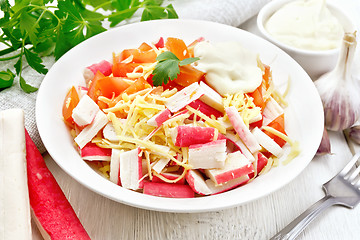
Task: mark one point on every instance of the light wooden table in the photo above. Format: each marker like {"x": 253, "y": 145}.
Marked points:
{"x": 105, "y": 219}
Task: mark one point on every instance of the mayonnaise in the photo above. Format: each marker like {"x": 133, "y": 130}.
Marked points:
{"x": 306, "y": 24}
{"x": 229, "y": 67}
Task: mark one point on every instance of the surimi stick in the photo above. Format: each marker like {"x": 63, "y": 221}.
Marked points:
{"x": 51, "y": 210}
{"x": 15, "y": 219}
{"x": 104, "y": 67}
{"x": 244, "y": 133}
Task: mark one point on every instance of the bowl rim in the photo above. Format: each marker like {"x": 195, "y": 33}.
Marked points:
{"x": 271, "y": 7}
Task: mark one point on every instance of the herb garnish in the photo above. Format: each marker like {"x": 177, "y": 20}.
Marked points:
{"x": 168, "y": 67}
{"x": 31, "y": 29}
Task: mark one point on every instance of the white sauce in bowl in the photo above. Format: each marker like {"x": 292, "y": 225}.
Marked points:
{"x": 306, "y": 24}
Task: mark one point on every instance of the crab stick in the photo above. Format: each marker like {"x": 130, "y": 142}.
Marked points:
{"x": 244, "y": 133}
{"x": 240, "y": 145}
{"x": 205, "y": 109}
{"x": 169, "y": 190}
{"x": 186, "y": 135}
{"x": 15, "y": 217}
{"x": 182, "y": 98}
{"x": 159, "y": 118}
{"x": 216, "y": 189}
{"x": 211, "y": 97}
{"x": 271, "y": 111}
{"x": 267, "y": 142}
{"x": 51, "y": 210}
{"x": 85, "y": 111}
{"x": 115, "y": 166}
{"x": 109, "y": 132}
{"x": 91, "y": 130}
{"x": 104, "y": 67}
{"x": 92, "y": 152}
{"x": 236, "y": 165}
{"x": 82, "y": 91}
{"x": 160, "y": 164}
{"x": 196, "y": 182}
{"x": 131, "y": 169}
{"x": 208, "y": 155}
{"x": 260, "y": 164}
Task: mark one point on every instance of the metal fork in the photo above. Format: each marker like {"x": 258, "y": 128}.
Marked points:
{"x": 343, "y": 189}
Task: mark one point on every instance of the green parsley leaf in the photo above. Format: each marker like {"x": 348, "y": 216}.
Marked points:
{"x": 31, "y": 29}
{"x": 187, "y": 61}
{"x": 153, "y": 10}
{"x": 18, "y": 65}
{"x": 79, "y": 24}
{"x": 171, "y": 13}
{"x": 5, "y": 5}
{"x": 165, "y": 70}
{"x": 34, "y": 61}
{"x": 26, "y": 87}
{"x": 166, "y": 56}
{"x": 125, "y": 9}
{"x": 27, "y": 25}
{"x": 6, "y": 79}
{"x": 168, "y": 68}
{"x": 118, "y": 17}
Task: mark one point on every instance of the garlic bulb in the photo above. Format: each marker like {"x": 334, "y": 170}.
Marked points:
{"x": 325, "y": 147}
{"x": 339, "y": 90}
{"x": 354, "y": 134}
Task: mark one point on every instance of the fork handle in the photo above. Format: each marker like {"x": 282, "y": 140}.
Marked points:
{"x": 293, "y": 229}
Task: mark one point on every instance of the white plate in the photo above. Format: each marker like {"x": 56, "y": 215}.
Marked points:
{"x": 304, "y": 116}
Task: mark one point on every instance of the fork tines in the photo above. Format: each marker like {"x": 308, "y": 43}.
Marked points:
{"x": 351, "y": 171}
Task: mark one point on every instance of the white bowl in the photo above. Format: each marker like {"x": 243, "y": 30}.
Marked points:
{"x": 304, "y": 116}
{"x": 315, "y": 63}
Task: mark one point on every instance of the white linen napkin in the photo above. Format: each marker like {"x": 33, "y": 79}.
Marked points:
{"x": 230, "y": 12}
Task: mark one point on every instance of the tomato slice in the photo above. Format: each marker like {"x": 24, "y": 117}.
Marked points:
{"x": 188, "y": 75}
{"x": 70, "y": 102}
{"x": 138, "y": 85}
{"x": 279, "y": 125}
{"x": 266, "y": 77}
{"x": 177, "y": 47}
{"x": 171, "y": 84}
{"x": 139, "y": 56}
{"x": 94, "y": 91}
{"x": 258, "y": 97}
{"x": 112, "y": 85}
{"x": 145, "y": 47}
{"x": 121, "y": 69}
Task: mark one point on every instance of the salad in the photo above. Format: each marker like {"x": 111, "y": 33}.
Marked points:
{"x": 175, "y": 120}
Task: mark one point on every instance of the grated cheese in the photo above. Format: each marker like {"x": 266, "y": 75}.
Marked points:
{"x": 168, "y": 180}
{"x": 245, "y": 106}
{"x": 129, "y": 117}
{"x": 211, "y": 122}
{"x": 148, "y": 164}
{"x": 68, "y": 101}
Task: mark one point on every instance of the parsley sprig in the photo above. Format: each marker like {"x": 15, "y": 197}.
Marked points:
{"x": 168, "y": 67}
{"x": 32, "y": 29}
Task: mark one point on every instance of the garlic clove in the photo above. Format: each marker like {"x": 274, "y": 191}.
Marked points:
{"x": 339, "y": 90}
{"x": 325, "y": 147}
{"x": 354, "y": 134}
